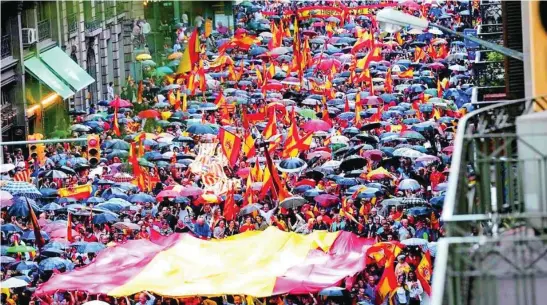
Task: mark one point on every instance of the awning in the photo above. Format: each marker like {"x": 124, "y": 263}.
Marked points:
{"x": 43, "y": 73}
{"x": 66, "y": 68}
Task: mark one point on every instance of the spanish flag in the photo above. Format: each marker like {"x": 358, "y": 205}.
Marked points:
{"x": 77, "y": 192}
{"x": 231, "y": 146}
{"x": 271, "y": 128}
{"x": 191, "y": 54}
{"x": 423, "y": 272}
{"x": 387, "y": 282}
{"x": 40, "y": 242}
{"x": 407, "y": 74}
{"x": 220, "y": 100}
{"x": 116, "y": 127}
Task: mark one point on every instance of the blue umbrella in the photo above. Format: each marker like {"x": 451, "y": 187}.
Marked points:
{"x": 22, "y": 266}
{"x": 302, "y": 188}
{"x": 312, "y": 193}
{"x": 48, "y": 192}
{"x": 66, "y": 200}
{"x": 55, "y": 245}
{"x": 409, "y": 184}
{"x": 9, "y": 228}
{"x": 124, "y": 203}
{"x": 257, "y": 51}
{"x": 201, "y": 129}
{"x": 292, "y": 165}
{"x": 419, "y": 211}
{"x": 21, "y": 209}
{"x": 95, "y": 200}
{"x": 369, "y": 193}
{"x": 332, "y": 292}
{"x": 54, "y": 263}
{"x": 347, "y": 181}
{"x": 114, "y": 207}
{"x": 92, "y": 247}
{"x": 117, "y": 144}
{"x": 29, "y": 235}
{"x": 437, "y": 202}
{"x": 114, "y": 192}
{"x": 104, "y": 218}
{"x": 20, "y": 188}
{"x": 141, "y": 197}
{"x": 52, "y": 207}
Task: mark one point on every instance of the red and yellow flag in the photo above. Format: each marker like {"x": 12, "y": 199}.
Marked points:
{"x": 116, "y": 126}
{"x": 77, "y": 192}
{"x": 387, "y": 283}
{"x": 423, "y": 272}
{"x": 191, "y": 54}
{"x": 271, "y": 128}
{"x": 231, "y": 145}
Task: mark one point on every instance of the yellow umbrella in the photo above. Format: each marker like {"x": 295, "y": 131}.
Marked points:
{"x": 176, "y": 55}
{"x": 143, "y": 57}
{"x": 166, "y": 115}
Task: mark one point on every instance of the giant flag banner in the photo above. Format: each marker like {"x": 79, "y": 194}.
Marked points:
{"x": 182, "y": 265}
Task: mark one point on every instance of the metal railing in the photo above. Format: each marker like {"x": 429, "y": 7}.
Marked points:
{"x": 72, "y": 21}
{"x": 6, "y": 46}
{"x": 44, "y": 30}
{"x": 93, "y": 24}
{"x": 486, "y": 199}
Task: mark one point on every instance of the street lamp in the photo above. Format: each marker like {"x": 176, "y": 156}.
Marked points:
{"x": 392, "y": 20}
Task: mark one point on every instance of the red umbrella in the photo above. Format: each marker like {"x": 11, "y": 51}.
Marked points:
{"x": 119, "y": 103}
{"x": 309, "y": 182}
{"x": 411, "y": 4}
{"x": 244, "y": 172}
{"x": 372, "y": 100}
{"x": 168, "y": 194}
{"x": 326, "y": 64}
{"x": 191, "y": 191}
{"x": 149, "y": 114}
{"x": 325, "y": 155}
{"x": 309, "y": 33}
{"x": 61, "y": 233}
{"x": 240, "y": 31}
{"x": 316, "y": 125}
{"x": 448, "y": 149}
{"x": 373, "y": 154}
{"x": 326, "y": 200}
{"x": 273, "y": 86}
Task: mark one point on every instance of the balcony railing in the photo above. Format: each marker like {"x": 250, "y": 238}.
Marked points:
{"x": 108, "y": 12}
{"x": 44, "y": 30}
{"x": 93, "y": 24}
{"x": 6, "y": 46}
{"x": 72, "y": 20}
{"x": 495, "y": 252}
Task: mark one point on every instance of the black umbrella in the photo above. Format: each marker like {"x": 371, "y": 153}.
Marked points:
{"x": 352, "y": 163}
{"x": 371, "y": 126}
{"x": 315, "y": 174}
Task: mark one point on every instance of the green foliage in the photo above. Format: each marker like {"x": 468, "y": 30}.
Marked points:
{"x": 494, "y": 56}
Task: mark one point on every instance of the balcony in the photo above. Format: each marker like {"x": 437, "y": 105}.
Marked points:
{"x": 92, "y": 27}
{"x": 109, "y": 12}
{"x": 44, "y": 30}
{"x": 72, "y": 20}
{"x": 6, "y": 46}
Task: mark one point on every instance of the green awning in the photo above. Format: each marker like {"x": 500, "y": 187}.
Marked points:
{"x": 44, "y": 74}
{"x": 66, "y": 68}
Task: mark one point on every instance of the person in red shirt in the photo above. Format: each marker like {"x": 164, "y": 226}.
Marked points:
{"x": 436, "y": 177}
{"x": 247, "y": 226}
{"x": 89, "y": 236}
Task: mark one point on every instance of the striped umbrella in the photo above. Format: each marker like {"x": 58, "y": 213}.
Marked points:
{"x": 21, "y": 188}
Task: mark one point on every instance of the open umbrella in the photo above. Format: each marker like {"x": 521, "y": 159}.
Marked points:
{"x": 316, "y": 125}
{"x": 292, "y": 165}
{"x": 21, "y": 188}
{"x": 54, "y": 263}
{"x": 352, "y": 163}
{"x": 104, "y": 218}
{"x": 293, "y": 202}
{"x": 13, "y": 282}
{"x": 409, "y": 185}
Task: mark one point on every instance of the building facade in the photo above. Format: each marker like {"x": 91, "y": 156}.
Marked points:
{"x": 37, "y": 91}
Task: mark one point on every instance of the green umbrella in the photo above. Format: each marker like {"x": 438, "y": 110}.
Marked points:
{"x": 174, "y": 63}
{"x": 20, "y": 249}
{"x": 157, "y": 73}
{"x": 162, "y": 164}
{"x": 165, "y": 69}
{"x": 337, "y": 146}
{"x": 144, "y": 162}
{"x": 149, "y": 63}
{"x": 307, "y": 113}
{"x": 246, "y": 4}
{"x": 432, "y": 92}
{"x": 163, "y": 123}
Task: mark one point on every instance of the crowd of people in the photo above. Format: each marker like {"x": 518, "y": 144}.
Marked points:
{"x": 299, "y": 122}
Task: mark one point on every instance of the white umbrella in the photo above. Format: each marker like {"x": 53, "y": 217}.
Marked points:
{"x": 13, "y": 283}
{"x": 415, "y": 32}
{"x": 457, "y": 68}
{"x": 95, "y": 302}
{"x": 435, "y": 31}
{"x": 339, "y": 139}
{"x": 4, "y": 168}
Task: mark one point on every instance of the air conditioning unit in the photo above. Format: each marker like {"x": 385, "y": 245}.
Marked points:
{"x": 30, "y": 36}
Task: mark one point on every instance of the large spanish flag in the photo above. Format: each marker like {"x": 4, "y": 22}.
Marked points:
{"x": 231, "y": 145}
{"x": 78, "y": 192}
{"x": 190, "y": 55}
{"x": 181, "y": 265}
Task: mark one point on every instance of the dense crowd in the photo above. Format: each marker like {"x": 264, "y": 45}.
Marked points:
{"x": 302, "y": 124}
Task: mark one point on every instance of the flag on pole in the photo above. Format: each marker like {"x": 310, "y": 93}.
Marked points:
{"x": 231, "y": 145}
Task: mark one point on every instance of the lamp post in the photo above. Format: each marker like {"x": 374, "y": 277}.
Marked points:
{"x": 393, "y": 20}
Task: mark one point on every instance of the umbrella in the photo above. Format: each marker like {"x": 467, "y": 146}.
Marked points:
{"x": 6, "y": 199}
{"x": 248, "y": 209}
{"x": 21, "y": 188}
{"x": 92, "y": 247}
{"x": 326, "y": 200}
{"x": 52, "y": 207}
{"x": 201, "y": 129}
{"x": 29, "y": 235}
{"x": 20, "y": 249}
{"x": 142, "y": 57}
{"x": 292, "y": 165}
{"x": 316, "y": 125}
{"x": 9, "y": 227}
{"x": 54, "y": 263}
{"x": 141, "y": 197}
{"x": 353, "y": 162}
{"x": 119, "y": 103}
{"x": 409, "y": 185}
{"x": 104, "y": 218}
{"x": 414, "y": 242}
{"x": 332, "y": 292}
{"x": 191, "y": 191}
{"x": 55, "y": 174}
{"x": 20, "y": 209}
{"x": 13, "y": 282}
{"x": 293, "y": 202}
